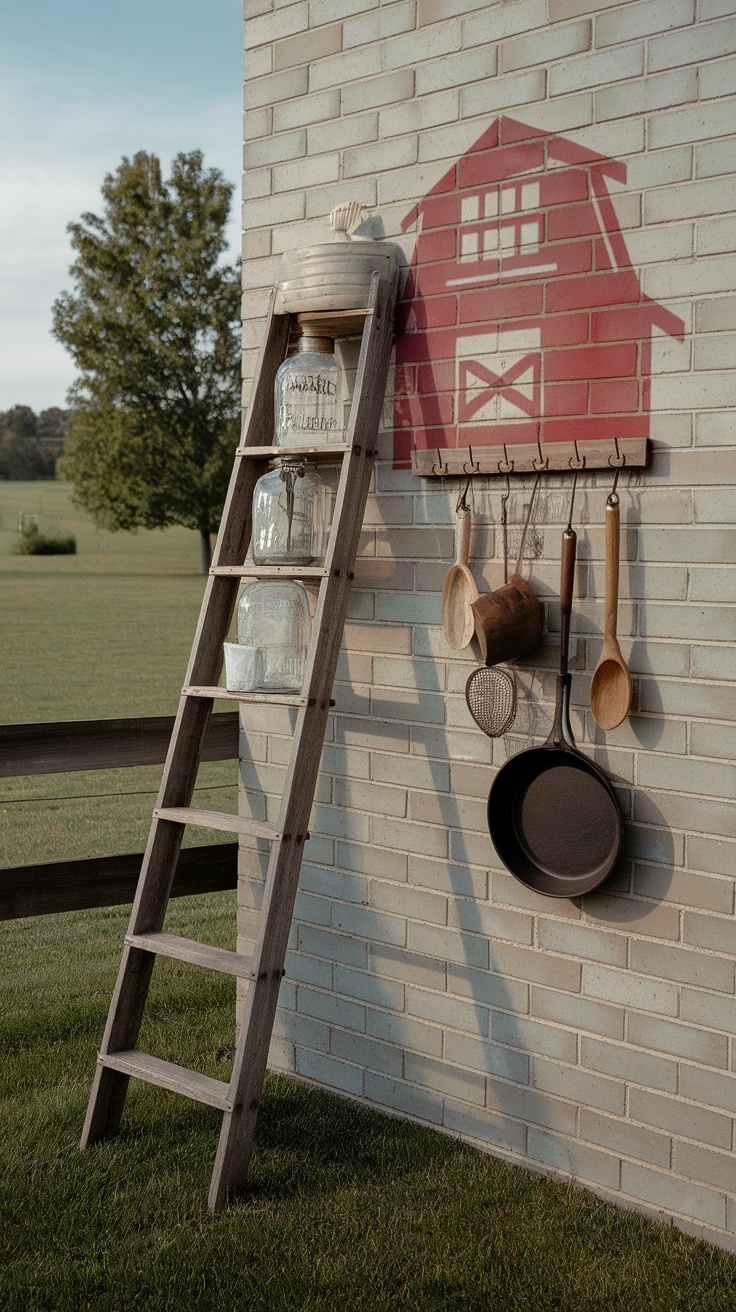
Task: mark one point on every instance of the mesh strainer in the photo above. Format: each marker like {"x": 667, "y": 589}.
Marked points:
{"x": 491, "y": 697}
{"x": 491, "y": 692}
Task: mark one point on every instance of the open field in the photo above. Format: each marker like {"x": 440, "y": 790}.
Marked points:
{"x": 348, "y": 1209}
{"x": 104, "y": 633}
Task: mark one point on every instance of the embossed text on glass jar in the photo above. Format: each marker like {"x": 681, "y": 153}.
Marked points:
{"x": 308, "y": 395}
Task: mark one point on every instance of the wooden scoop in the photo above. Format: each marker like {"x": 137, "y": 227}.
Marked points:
{"x": 459, "y": 591}
{"x": 610, "y": 691}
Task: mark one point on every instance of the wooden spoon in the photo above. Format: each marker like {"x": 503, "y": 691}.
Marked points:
{"x": 458, "y": 620}
{"x": 610, "y": 691}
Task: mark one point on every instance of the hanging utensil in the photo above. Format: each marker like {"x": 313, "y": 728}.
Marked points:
{"x": 490, "y": 693}
{"x": 460, "y": 590}
{"x": 552, "y": 814}
{"x": 611, "y": 690}
{"x": 491, "y": 698}
{"x": 509, "y": 620}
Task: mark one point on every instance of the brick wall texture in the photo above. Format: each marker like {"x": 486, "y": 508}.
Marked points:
{"x": 590, "y": 1039}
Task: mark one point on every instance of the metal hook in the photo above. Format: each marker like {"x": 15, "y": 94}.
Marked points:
{"x": 474, "y": 464}
{"x": 508, "y": 464}
{"x": 505, "y": 500}
{"x": 505, "y": 528}
{"x": 462, "y": 501}
{"x": 543, "y": 460}
{"x": 572, "y": 502}
{"x": 441, "y": 466}
{"x": 579, "y": 460}
{"x": 620, "y": 460}
{"x": 527, "y": 521}
{"x": 618, "y": 465}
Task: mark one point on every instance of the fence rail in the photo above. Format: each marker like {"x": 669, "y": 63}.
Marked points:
{"x": 108, "y": 881}
{"x": 63, "y": 745}
{"x": 105, "y": 881}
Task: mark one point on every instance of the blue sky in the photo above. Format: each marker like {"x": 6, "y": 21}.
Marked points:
{"x": 82, "y": 83}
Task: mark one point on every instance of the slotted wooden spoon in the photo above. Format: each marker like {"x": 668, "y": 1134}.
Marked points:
{"x": 611, "y": 691}
{"x": 459, "y": 592}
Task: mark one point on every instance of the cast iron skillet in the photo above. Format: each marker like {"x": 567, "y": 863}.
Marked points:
{"x": 552, "y": 814}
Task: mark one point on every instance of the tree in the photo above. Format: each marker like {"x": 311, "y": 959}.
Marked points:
{"x": 51, "y": 432}
{"x": 30, "y": 444}
{"x": 153, "y": 327}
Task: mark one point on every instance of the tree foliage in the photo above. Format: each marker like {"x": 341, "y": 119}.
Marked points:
{"x": 30, "y": 444}
{"x": 153, "y": 327}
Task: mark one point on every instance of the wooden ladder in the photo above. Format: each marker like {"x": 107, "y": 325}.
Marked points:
{"x": 119, "y": 1058}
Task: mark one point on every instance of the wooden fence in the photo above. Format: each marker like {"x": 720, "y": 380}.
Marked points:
{"x": 54, "y": 748}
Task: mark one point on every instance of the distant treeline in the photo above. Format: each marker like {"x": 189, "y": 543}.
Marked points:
{"x": 31, "y": 444}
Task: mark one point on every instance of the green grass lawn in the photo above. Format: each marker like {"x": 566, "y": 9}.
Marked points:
{"x": 348, "y": 1209}
{"x": 104, "y": 633}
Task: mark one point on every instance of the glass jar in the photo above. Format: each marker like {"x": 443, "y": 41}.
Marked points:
{"x": 308, "y": 395}
{"x": 275, "y": 618}
{"x": 289, "y": 515}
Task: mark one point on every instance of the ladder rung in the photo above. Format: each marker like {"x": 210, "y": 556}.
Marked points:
{"x": 271, "y": 571}
{"x": 327, "y": 451}
{"x": 273, "y": 698}
{"x": 231, "y": 824}
{"x": 198, "y": 954}
{"x": 167, "y": 1075}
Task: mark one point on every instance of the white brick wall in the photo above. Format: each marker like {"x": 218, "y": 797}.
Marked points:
{"x": 592, "y": 1039}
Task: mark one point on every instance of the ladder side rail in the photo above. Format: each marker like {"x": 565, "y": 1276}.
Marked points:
{"x": 236, "y": 1138}
{"x": 109, "y": 1087}
{"x": 234, "y": 535}
{"x": 205, "y": 662}
{"x": 347, "y": 524}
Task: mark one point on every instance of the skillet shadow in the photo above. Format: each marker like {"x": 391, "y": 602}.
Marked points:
{"x": 645, "y": 867}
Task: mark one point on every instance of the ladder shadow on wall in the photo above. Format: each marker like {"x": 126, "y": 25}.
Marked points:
{"x": 495, "y": 1046}
{"x": 476, "y": 977}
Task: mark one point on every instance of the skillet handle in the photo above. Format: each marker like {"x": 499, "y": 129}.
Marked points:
{"x": 566, "y": 726}
{"x": 561, "y": 734}
{"x": 567, "y": 579}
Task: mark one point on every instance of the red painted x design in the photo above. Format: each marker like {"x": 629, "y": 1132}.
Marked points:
{"x": 469, "y": 405}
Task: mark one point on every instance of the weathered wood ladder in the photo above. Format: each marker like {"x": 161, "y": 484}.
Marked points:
{"x": 119, "y": 1058}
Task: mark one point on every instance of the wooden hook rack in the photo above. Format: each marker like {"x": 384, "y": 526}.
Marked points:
{"x": 554, "y": 457}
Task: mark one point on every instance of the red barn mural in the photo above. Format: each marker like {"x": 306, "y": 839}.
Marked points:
{"x": 522, "y": 319}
